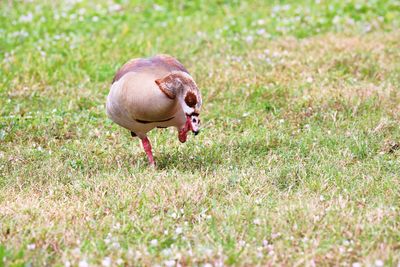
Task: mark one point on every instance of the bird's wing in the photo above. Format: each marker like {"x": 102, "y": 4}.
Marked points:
{"x": 161, "y": 64}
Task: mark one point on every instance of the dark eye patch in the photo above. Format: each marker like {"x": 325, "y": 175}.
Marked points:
{"x": 190, "y": 99}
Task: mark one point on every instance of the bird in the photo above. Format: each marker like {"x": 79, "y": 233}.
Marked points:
{"x": 155, "y": 92}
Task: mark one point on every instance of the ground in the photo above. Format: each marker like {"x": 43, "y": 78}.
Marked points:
{"x": 297, "y": 162}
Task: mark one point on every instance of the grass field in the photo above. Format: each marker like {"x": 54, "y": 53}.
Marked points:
{"x": 298, "y": 161}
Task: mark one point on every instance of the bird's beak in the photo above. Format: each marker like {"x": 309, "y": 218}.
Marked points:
{"x": 193, "y": 126}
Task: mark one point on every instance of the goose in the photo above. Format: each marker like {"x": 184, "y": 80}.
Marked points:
{"x": 155, "y": 92}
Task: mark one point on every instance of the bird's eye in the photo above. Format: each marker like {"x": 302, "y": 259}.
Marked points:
{"x": 193, "y": 120}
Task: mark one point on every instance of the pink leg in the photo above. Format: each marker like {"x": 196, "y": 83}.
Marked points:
{"x": 147, "y": 148}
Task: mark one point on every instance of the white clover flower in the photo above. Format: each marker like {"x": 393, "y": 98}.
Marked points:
{"x": 336, "y": 20}
{"x": 379, "y": 263}
{"x": 114, "y": 8}
{"x": 178, "y": 230}
{"x": 76, "y": 252}
{"x": 26, "y": 18}
{"x": 31, "y": 246}
{"x": 260, "y": 22}
{"x": 249, "y": 39}
{"x": 169, "y": 263}
{"x": 166, "y": 252}
{"x": 158, "y": 8}
{"x": 117, "y": 226}
{"x": 276, "y": 9}
{"x": 106, "y": 262}
{"x": 154, "y": 242}
{"x": 257, "y": 221}
{"x": 83, "y": 263}
{"x": 116, "y": 245}
{"x": 261, "y": 31}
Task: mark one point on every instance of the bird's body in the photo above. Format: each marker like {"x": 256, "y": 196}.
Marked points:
{"x": 139, "y": 105}
{"x": 154, "y": 92}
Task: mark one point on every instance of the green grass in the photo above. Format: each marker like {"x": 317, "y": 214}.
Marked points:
{"x": 297, "y": 162}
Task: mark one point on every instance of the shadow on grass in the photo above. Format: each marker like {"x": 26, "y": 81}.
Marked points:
{"x": 203, "y": 158}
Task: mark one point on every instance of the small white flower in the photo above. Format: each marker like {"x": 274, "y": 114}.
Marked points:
{"x": 114, "y": 7}
{"x": 166, "y": 252}
{"x": 208, "y": 265}
{"x": 83, "y": 263}
{"x": 260, "y": 22}
{"x": 67, "y": 264}
{"x": 356, "y": 264}
{"x": 257, "y": 221}
{"x": 261, "y": 31}
{"x": 336, "y": 20}
{"x": 158, "y": 8}
{"x": 178, "y": 230}
{"x": 26, "y": 18}
{"x": 310, "y": 79}
{"x": 106, "y": 262}
{"x": 154, "y": 242}
{"x": 81, "y": 11}
{"x": 169, "y": 263}
{"x": 95, "y": 19}
{"x": 271, "y": 253}
{"x": 379, "y": 263}
{"x": 275, "y": 235}
{"x": 120, "y": 261}
{"x": 249, "y": 39}
{"x": 116, "y": 245}
{"x": 31, "y": 246}
{"x": 108, "y": 239}
{"x": 76, "y": 252}
{"x": 276, "y": 9}
{"x": 270, "y": 247}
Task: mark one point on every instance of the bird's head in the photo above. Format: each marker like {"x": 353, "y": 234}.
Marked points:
{"x": 191, "y": 105}
{"x": 181, "y": 85}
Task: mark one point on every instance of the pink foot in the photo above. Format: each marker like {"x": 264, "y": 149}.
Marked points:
{"x": 147, "y": 148}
